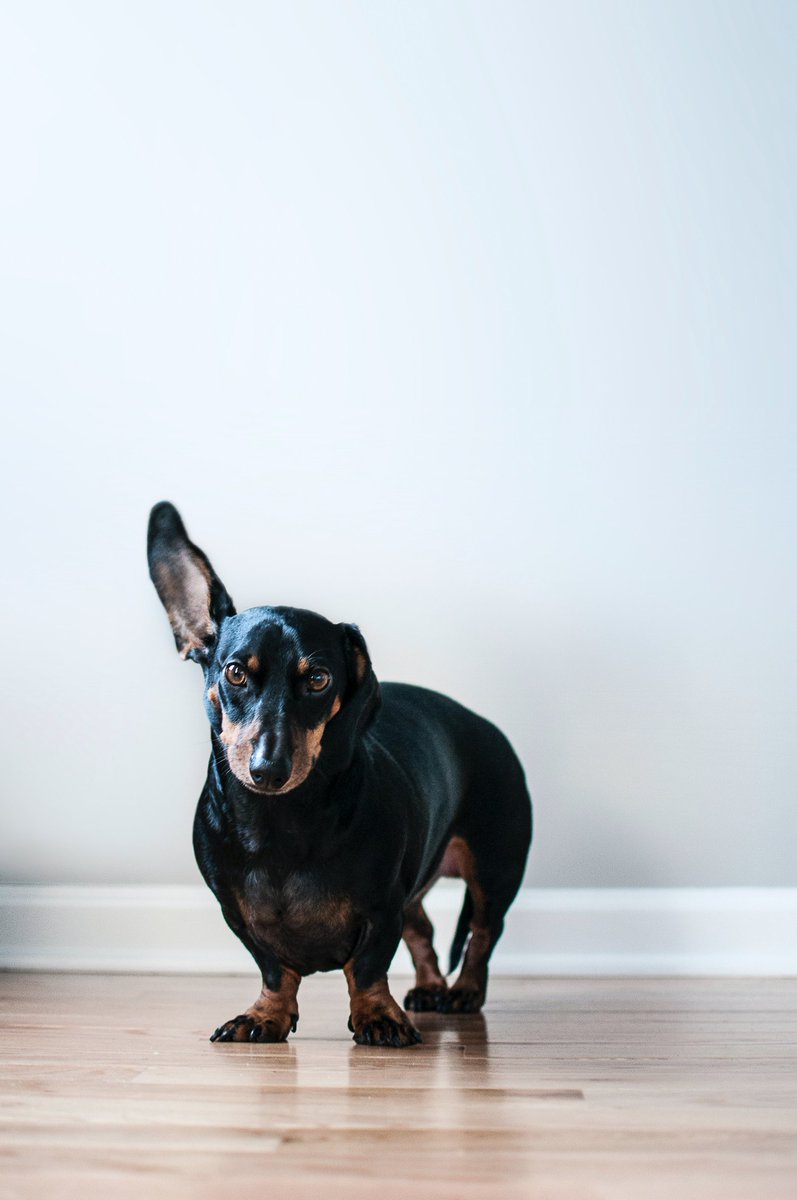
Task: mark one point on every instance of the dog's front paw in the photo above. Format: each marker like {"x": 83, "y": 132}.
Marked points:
{"x": 426, "y": 999}
{"x": 379, "y": 1029}
{"x": 256, "y": 1027}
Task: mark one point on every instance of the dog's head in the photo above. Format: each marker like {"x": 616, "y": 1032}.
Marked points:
{"x": 285, "y": 689}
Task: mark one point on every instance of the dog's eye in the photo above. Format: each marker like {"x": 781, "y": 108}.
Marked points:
{"x": 319, "y": 680}
{"x": 235, "y": 674}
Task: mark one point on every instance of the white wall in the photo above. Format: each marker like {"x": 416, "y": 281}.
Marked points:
{"x": 472, "y": 323}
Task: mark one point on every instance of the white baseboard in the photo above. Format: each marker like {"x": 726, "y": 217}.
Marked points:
{"x": 557, "y": 931}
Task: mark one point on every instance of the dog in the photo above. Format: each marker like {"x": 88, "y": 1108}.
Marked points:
{"x": 332, "y": 805}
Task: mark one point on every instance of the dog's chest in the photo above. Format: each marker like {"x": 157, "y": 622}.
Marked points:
{"x": 297, "y": 919}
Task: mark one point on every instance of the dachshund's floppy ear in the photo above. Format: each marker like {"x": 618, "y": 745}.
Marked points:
{"x": 194, "y": 597}
{"x": 361, "y": 699}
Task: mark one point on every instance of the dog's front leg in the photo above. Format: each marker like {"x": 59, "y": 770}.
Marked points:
{"x": 272, "y": 1016}
{"x": 376, "y": 1018}
{"x": 276, "y": 1011}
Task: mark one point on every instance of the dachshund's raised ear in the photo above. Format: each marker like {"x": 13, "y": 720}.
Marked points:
{"x": 361, "y": 700}
{"x": 194, "y": 597}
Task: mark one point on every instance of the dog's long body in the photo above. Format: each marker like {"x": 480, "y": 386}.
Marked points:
{"x": 332, "y": 805}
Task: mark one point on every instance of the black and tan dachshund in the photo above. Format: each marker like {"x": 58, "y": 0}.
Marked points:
{"x": 332, "y": 805}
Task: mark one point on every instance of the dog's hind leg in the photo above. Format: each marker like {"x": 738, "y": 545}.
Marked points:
{"x": 491, "y": 839}
{"x": 468, "y": 993}
{"x": 488, "y": 897}
{"x": 431, "y": 989}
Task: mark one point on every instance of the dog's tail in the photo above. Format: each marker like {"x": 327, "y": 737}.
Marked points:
{"x": 463, "y": 926}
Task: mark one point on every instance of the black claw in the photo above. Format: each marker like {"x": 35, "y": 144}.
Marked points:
{"x": 247, "y": 1029}
{"x": 387, "y": 1033}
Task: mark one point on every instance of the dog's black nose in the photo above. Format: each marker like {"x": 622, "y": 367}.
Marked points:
{"x": 271, "y": 761}
{"x": 270, "y": 773}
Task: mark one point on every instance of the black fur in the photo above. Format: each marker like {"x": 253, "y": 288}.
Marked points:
{"x": 321, "y": 872}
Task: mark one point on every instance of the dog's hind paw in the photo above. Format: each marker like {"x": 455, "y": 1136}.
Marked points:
{"x": 250, "y": 1027}
{"x": 462, "y": 1000}
{"x": 426, "y": 999}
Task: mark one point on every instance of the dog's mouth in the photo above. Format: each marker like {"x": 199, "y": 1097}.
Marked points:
{"x": 265, "y": 789}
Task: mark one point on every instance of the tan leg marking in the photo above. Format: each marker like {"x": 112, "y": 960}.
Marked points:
{"x": 417, "y": 934}
{"x": 270, "y": 1019}
{"x": 376, "y": 1019}
{"x": 459, "y": 860}
{"x": 431, "y": 989}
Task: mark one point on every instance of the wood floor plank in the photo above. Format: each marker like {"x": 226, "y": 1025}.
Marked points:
{"x": 587, "y": 1089}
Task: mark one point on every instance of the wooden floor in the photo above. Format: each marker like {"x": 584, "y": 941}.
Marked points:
{"x": 646, "y": 1089}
